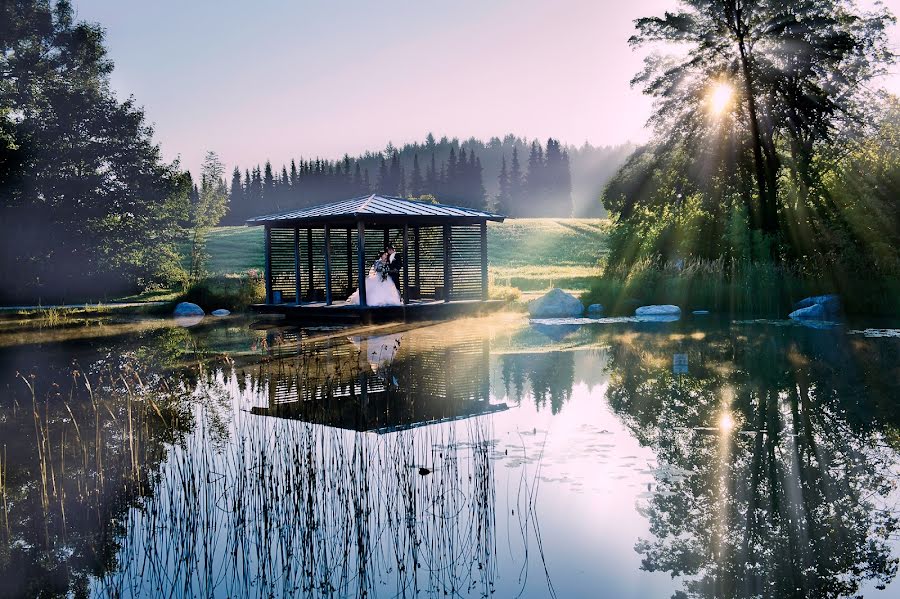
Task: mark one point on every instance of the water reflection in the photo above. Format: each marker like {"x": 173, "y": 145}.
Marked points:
{"x": 471, "y": 458}
{"x": 775, "y": 460}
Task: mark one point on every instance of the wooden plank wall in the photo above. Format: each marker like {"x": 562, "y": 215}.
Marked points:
{"x": 465, "y": 249}
{"x": 282, "y": 251}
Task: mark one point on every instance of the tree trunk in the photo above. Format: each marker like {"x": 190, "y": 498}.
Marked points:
{"x": 765, "y": 182}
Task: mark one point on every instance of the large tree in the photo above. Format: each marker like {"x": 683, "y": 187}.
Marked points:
{"x": 88, "y": 206}
{"x": 779, "y": 78}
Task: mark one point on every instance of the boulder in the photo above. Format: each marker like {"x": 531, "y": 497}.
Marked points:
{"x": 664, "y": 310}
{"x": 188, "y": 309}
{"x": 221, "y": 312}
{"x": 830, "y": 308}
{"x": 813, "y": 312}
{"x": 595, "y": 310}
{"x": 556, "y": 303}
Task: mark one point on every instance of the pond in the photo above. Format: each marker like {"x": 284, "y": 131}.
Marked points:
{"x": 474, "y": 458}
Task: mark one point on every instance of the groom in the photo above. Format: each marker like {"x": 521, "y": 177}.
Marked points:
{"x": 395, "y": 265}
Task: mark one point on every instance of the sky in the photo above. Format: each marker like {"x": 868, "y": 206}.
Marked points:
{"x": 287, "y": 79}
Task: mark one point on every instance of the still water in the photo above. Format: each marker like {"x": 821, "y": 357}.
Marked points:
{"x": 476, "y": 458}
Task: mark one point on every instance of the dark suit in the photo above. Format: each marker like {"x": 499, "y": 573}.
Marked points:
{"x": 395, "y": 267}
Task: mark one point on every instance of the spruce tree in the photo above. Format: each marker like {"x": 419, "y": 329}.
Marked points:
{"x": 501, "y": 202}
{"x": 384, "y": 179}
{"x": 431, "y": 177}
{"x": 534, "y": 188}
{"x": 237, "y": 205}
{"x": 416, "y": 183}
{"x": 515, "y": 184}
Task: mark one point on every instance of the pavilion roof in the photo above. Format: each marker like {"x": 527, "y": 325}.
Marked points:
{"x": 376, "y": 208}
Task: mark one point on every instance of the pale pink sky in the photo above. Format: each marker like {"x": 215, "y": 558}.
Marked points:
{"x": 282, "y": 79}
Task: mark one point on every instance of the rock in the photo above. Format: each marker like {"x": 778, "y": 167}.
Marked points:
{"x": 221, "y": 312}
{"x": 700, "y": 312}
{"x": 188, "y": 309}
{"x": 664, "y": 310}
{"x": 595, "y": 310}
{"x": 830, "y": 304}
{"x": 813, "y": 312}
{"x": 556, "y": 303}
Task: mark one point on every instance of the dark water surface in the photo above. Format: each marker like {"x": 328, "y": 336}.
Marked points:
{"x": 487, "y": 457}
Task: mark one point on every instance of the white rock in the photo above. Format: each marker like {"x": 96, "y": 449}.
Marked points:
{"x": 188, "y": 309}
{"x": 221, "y": 312}
{"x": 663, "y": 310}
{"x": 556, "y": 303}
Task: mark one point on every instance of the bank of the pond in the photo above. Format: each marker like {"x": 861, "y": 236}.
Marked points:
{"x": 754, "y": 290}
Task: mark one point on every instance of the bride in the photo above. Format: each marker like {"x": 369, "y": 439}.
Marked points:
{"x": 380, "y": 289}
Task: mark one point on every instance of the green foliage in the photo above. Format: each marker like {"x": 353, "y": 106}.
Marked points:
{"x": 232, "y": 292}
{"x": 87, "y": 207}
{"x": 210, "y": 207}
{"x": 765, "y": 186}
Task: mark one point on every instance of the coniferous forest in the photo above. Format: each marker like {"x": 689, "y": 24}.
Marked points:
{"x": 512, "y": 175}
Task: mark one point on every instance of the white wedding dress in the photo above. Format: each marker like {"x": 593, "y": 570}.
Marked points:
{"x": 379, "y": 291}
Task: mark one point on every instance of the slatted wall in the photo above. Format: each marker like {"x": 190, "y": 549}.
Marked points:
{"x": 431, "y": 263}
{"x": 282, "y": 249}
{"x": 465, "y": 249}
{"x": 342, "y": 282}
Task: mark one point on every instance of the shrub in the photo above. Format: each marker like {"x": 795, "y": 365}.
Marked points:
{"x": 233, "y": 292}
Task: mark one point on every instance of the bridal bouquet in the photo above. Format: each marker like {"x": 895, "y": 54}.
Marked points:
{"x": 381, "y": 268}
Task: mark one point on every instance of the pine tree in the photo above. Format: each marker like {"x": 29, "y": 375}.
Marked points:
{"x": 416, "y": 184}
{"x": 501, "y": 202}
{"x": 515, "y": 184}
{"x": 268, "y": 191}
{"x": 384, "y": 178}
{"x": 449, "y": 177}
{"x": 396, "y": 176}
{"x": 478, "y": 198}
{"x": 431, "y": 177}
{"x": 534, "y": 188}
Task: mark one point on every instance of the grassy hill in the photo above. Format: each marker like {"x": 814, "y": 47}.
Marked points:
{"x": 530, "y": 253}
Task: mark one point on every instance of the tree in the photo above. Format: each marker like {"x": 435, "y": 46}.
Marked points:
{"x": 207, "y": 211}
{"x": 502, "y": 202}
{"x": 776, "y": 76}
{"x": 88, "y": 206}
{"x": 515, "y": 183}
{"x": 431, "y": 175}
{"x": 416, "y": 183}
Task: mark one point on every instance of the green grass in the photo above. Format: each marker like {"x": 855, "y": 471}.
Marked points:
{"x": 528, "y": 254}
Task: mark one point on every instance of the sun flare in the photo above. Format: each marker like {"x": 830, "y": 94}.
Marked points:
{"x": 720, "y": 97}
{"x": 726, "y": 422}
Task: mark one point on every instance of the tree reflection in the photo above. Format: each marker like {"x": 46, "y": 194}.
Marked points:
{"x": 773, "y": 463}
{"x": 549, "y": 376}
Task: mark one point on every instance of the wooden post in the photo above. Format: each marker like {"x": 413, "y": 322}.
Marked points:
{"x": 361, "y": 261}
{"x": 416, "y": 250}
{"x": 484, "y": 262}
{"x": 448, "y": 266}
{"x": 309, "y": 263}
{"x": 327, "y": 265}
{"x": 405, "y": 264}
{"x": 298, "y": 292}
{"x": 268, "y": 237}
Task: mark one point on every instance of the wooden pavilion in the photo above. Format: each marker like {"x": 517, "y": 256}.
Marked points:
{"x": 316, "y": 257}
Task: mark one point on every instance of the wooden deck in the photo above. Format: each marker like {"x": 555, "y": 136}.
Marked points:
{"x": 342, "y": 312}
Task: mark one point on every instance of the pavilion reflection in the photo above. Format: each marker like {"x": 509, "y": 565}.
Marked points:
{"x": 382, "y": 383}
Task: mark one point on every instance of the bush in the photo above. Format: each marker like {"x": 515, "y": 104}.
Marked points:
{"x": 232, "y": 292}
{"x": 738, "y": 288}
